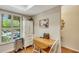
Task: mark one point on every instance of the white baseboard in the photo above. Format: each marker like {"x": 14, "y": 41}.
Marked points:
{"x": 70, "y": 48}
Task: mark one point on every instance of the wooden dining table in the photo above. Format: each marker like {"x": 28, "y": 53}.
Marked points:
{"x": 43, "y": 43}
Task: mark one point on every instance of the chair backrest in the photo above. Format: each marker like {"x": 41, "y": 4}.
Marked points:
{"x": 54, "y": 47}
{"x": 46, "y": 36}
{"x": 19, "y": 43}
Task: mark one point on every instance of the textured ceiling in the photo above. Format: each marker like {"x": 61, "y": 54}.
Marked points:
{"x": 27, "y": 9}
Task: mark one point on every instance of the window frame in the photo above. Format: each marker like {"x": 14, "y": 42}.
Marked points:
{"x": 1, "y": 26}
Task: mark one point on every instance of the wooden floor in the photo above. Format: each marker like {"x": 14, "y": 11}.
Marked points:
{"x": 26, "y": 50}
{"x": 66, "y": 50}
{"x": 30, "y": 49}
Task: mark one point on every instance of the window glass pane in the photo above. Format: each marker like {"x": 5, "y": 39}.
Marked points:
{"x": 6, "y": 28}
{"x": 6, "y": 35}
{"x": 16, "y": 34}
{"x": 16, "y": 21}
{"x": 16, "y": 27}
{"x": 6, "y": 21}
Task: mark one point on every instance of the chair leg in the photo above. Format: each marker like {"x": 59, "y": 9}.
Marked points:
{"x": 25, "y": 49}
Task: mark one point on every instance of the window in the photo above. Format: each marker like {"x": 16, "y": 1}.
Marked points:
{"x": 16, "y": 27}
{"x": 10, "y": 28}
{"x": 6, "y": 28}
{"x": 16, "y": 21}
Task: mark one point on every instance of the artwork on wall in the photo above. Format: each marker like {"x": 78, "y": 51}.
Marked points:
{"x": 62, "y": 24}
{"x": 44, "y": 23}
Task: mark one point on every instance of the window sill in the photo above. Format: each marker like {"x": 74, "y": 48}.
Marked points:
{"x": 4, "y": 43}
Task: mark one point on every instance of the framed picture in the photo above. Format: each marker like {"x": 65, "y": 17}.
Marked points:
{"x": 44, "y": 23}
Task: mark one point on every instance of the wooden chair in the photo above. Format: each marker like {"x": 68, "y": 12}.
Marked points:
{"x": 35, "y": 48}
{"x": 19, "y": 44}
{"x": 52, "y": 49}
{"x": 46, "y": 36}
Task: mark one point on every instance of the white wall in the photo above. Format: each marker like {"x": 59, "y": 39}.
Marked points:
{"x": 6, "y": 48}
{"x": 54, "y": 23}
{"x": 70, "y": 32}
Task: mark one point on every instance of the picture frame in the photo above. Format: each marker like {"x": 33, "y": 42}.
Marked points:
{"x": 44, "y": 23}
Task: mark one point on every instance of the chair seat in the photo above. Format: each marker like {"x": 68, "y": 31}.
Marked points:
{"x": 36, "y": 51}
{"x": 45, "y": 50}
